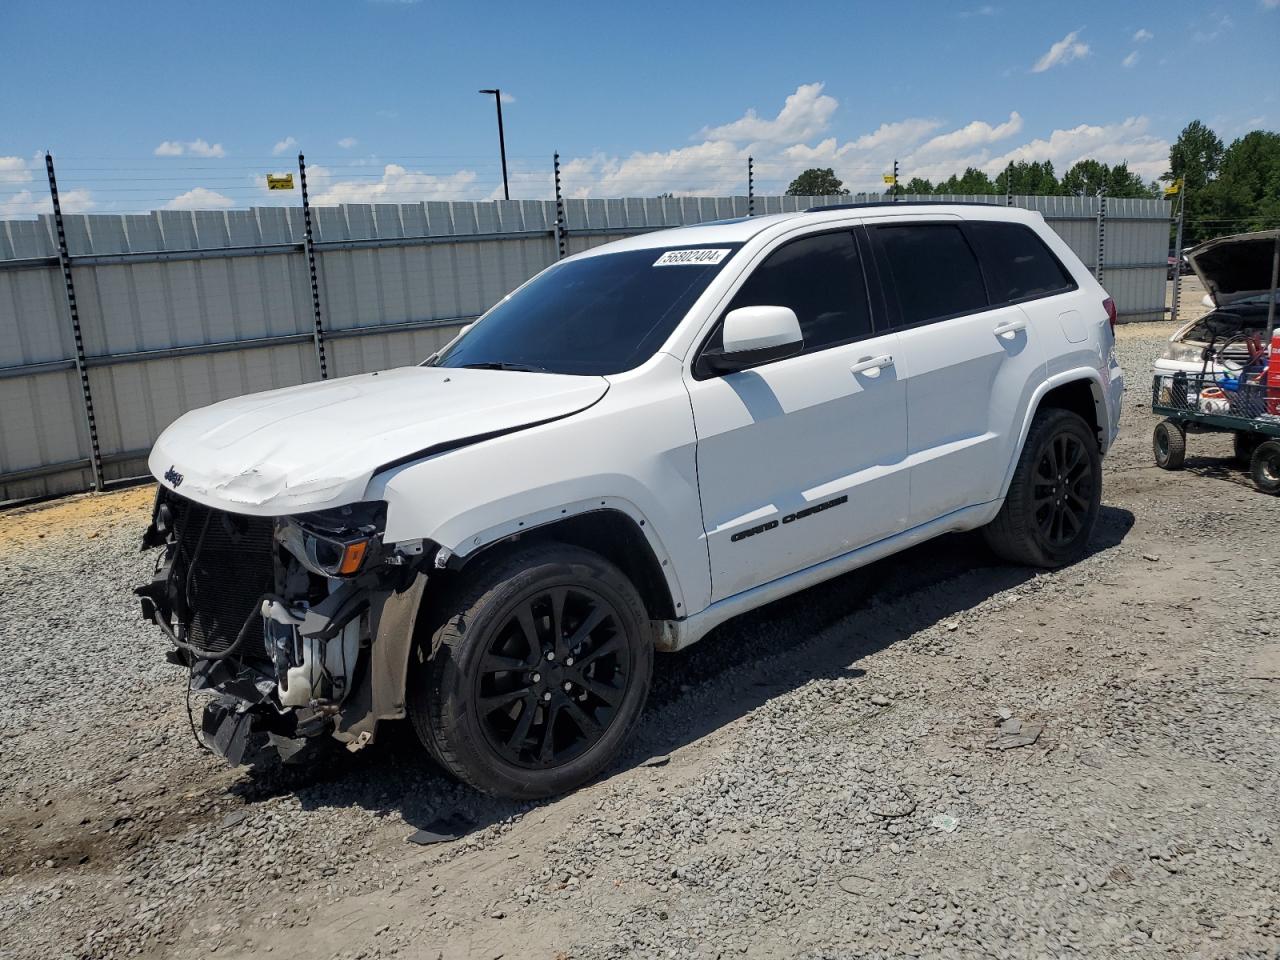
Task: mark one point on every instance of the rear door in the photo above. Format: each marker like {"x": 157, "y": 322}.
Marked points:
{"x": 971, "y": 364}
{"x": 801, "y": 460}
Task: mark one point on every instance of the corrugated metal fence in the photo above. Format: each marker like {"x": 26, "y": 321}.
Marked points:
{"x": 180, "y": 309}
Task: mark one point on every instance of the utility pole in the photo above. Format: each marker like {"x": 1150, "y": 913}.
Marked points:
{"x": 73, "y": 311}
{"x": 561, "y": 246}
{"x": 317, "y": 330}
{"x": 502, "y": 140}
{"x": 1177, "y": 253}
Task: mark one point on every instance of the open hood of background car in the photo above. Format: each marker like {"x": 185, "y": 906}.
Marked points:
{"x": 316, "y": 446}
{"x": 1235, "y": 268}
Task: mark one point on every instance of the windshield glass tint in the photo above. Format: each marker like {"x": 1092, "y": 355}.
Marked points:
{"x": 597, "y": 315}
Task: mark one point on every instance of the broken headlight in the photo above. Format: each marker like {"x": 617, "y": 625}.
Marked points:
{"x": 334, "y": 543}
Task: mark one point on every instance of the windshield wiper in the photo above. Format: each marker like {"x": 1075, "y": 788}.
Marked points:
{"x": 503, "y": 365}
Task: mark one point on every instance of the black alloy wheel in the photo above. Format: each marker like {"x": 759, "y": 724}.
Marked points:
{"x": 553, "y": 677}
{"x": 1063, "y": 489}
{"x": 531, "y": 668}
{"x": 1055, "y": 494}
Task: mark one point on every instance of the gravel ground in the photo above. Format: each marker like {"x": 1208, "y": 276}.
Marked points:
{"x": 977, "y": 761}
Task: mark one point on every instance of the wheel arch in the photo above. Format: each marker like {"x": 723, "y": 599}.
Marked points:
{"x": 612, "y": 528}
{"x": 1082, "y": 392}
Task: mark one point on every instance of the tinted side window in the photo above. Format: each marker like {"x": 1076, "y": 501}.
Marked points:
{"x": 820, "y": 278}
{"x": 932, "y": 269}
{"x": 1017, "y": 264}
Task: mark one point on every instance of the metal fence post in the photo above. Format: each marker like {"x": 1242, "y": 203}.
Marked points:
{"x": 1177, "y": 257}
{"x": 318, "y": 331}
{"x": 69, "y": 287}
{"x": 1102, "y": 237}
{"x": 751, "y": 187}
{"x": 561, "y": 227}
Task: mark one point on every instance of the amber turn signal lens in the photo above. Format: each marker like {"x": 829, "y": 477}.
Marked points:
{"x": 352, "y": 557}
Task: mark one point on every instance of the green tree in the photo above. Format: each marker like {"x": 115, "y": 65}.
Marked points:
{"x": 1085, "y": 178}
{"x": 1028, "y": 179}
{"x": 972, "y": 182}
{"x": 1246, "y": 193}
{"x": 918, "y": 186}
{"x": 817, "y": 182}
{"x": 1195, "y": 156}
{"x": 1122, "y": 182}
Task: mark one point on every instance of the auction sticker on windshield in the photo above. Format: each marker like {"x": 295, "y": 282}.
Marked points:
{"x": 693, "y": 258}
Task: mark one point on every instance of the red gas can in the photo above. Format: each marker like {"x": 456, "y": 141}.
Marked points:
{"x": 1273, "y": 376}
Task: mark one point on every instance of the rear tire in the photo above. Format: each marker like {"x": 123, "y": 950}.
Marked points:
{"x": 1265, "y": 467}
{"x": 1169, "y": 444}
{"x": 1244, "y": 443}
{"x": 1053, "y": 500}
{"x": 542, "y": 666}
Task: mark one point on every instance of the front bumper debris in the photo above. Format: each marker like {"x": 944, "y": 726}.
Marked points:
{"x": 285, "y": 653}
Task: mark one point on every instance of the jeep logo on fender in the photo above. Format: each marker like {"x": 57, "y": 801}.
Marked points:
{"x": 173, "y": 476}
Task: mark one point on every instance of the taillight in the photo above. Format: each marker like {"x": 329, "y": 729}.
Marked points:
{"x": 1109, "y": 305}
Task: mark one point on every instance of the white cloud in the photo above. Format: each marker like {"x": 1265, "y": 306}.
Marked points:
{"x": 396, "y": 185}
{"x": 805, "y": 114}
{"x": 1064, "y": 51}
{"x": 346, "y": 143}
{"x": 974, "y": 134}
{"x": 507, "y": 97}
{"x": 196, "y": 148}
{"x": 1220, "y": 25}
{"x": 28, "y": 203}
{"x": 1111, "y": 143}
{"x": 1270, "y": 4}
{"x": 1143, "y": 35}
{"x": 14, "y": 170}
{"x": 282, "y": 146}
{"x": 200, "y": 198}
{"x": 1130, "y": 60}
{"x": 986, "y": 10}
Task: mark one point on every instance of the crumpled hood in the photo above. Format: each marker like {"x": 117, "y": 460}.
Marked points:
{"x": 1234, "y": 268}
{"x": 316, "y": 446}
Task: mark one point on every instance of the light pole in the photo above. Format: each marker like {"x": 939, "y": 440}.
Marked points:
{"x": 502, "y": 141}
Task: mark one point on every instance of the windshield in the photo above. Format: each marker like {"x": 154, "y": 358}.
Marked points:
{"x": 597, "y": 315}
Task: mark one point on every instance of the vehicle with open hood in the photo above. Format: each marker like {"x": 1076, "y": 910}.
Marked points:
{"x": 1236, "y": 273}
{"x": 638, "y": 444}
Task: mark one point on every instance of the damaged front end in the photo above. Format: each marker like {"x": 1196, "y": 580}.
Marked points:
{"x": 299, "y": 626}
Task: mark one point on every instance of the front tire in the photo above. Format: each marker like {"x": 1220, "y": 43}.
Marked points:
{"x": 1169, "y": 445}
{"x": 1053, "y": 500}
{"x": 541, "y": 669}
{"x": 1265, "y": 467}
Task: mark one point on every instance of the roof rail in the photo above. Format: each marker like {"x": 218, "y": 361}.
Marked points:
{"x": 907, "y": 203}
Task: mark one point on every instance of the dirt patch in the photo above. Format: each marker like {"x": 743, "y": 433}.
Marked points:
{"x": 88, "y": 515}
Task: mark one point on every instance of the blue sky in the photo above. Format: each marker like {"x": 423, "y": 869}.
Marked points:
{"x": 180, "y": 104}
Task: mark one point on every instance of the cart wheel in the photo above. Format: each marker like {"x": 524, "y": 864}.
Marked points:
{"x": 1265, "y": 468}
{"x": 1245, "y": 443}
{"x": 1170, "y": 445}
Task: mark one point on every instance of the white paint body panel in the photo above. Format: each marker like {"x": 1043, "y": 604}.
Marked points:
{"x": 923, "y": 443}
{"x": 316, "y": 446}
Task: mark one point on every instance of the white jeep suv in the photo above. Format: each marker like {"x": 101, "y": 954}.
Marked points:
{"x": 641, "y": 442}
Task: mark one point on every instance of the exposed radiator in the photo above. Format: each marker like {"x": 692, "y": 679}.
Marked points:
{"x": 227, "y": 566}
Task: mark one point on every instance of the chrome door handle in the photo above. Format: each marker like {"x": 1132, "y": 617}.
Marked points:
{"x": 872, "y": 364}
{"x": 1009, "y": 328}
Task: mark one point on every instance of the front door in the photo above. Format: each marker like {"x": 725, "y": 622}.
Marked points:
{"x": 801, "y": 460}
